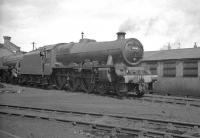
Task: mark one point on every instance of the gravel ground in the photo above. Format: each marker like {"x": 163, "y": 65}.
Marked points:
{"x": 18, "y": 127}
{"x": 95, "y": 103}
{"x": 37, "y": 128}
{"x": 63, "y": 100}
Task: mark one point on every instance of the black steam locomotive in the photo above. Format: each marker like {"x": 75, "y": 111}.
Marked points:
{"x": 90, "y": 66}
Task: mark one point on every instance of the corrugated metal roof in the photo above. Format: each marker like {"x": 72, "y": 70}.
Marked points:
{"x": 186, "y": 53}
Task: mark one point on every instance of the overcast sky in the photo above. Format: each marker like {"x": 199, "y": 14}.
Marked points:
{"x": 153, "y": 22}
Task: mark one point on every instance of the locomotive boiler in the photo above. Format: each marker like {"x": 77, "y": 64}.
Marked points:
{"x": 122, "y": 51}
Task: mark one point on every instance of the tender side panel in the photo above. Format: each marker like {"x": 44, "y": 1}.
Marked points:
{"x": 32, "y": 64}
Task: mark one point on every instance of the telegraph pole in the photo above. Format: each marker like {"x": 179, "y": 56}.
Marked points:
{"x": 33, "y": 43}
{"x": 82, "y": 35}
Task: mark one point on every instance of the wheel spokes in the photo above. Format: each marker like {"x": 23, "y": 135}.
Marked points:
{"x": 101, "y": 88}
{"x": 73, "y": 83}
{"x": 87, "y": 85}
{"x": 60, "y": 82}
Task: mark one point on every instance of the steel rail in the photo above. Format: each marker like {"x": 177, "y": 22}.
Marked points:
{"x": 9, "y": 134}
{"x": 189, "y": 124}
{"x": 133, "y": 131}
{"x": 172, "y": 97}
{"x": 153, "y": 132}
{"x": 171, "y": 100}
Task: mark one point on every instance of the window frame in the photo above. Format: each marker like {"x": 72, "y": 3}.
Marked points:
{"x": 153, "y": 67}
{"x": 188, "y": 69}
{"x": 169, "y": 66}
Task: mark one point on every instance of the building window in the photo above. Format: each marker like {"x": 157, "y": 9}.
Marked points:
{"x": 152, "y": 67}
{"x": 169, "y": 69}
{"x": 190, "y": 68}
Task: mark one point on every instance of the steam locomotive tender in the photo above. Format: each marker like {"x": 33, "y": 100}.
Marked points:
{"x": 90, "y": 66}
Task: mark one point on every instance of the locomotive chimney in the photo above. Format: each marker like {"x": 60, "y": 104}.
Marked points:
{"x": 121, "y": 35}
{"x": 195, "y": 44}
{"x": 6, "y": 39}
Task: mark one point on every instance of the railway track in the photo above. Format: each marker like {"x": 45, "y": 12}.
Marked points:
{"x": 193, "y": 102}
{"x": 188, "y": 102}
{"x": 110, "y": 122}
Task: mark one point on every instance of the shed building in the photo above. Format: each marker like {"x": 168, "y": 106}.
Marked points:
{"x": 178, "y": 70}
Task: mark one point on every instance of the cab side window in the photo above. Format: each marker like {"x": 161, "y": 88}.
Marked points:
{"x": 48, "y": 56}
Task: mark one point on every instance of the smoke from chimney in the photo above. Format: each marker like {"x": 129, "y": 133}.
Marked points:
{"x": 129, "y": 26}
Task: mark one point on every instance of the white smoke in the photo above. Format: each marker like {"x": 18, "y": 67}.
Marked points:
{"x": 178, "y": 22}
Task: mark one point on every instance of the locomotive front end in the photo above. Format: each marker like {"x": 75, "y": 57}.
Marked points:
{"x": 130, "y": 79}
{"x": 132, "y": 52}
